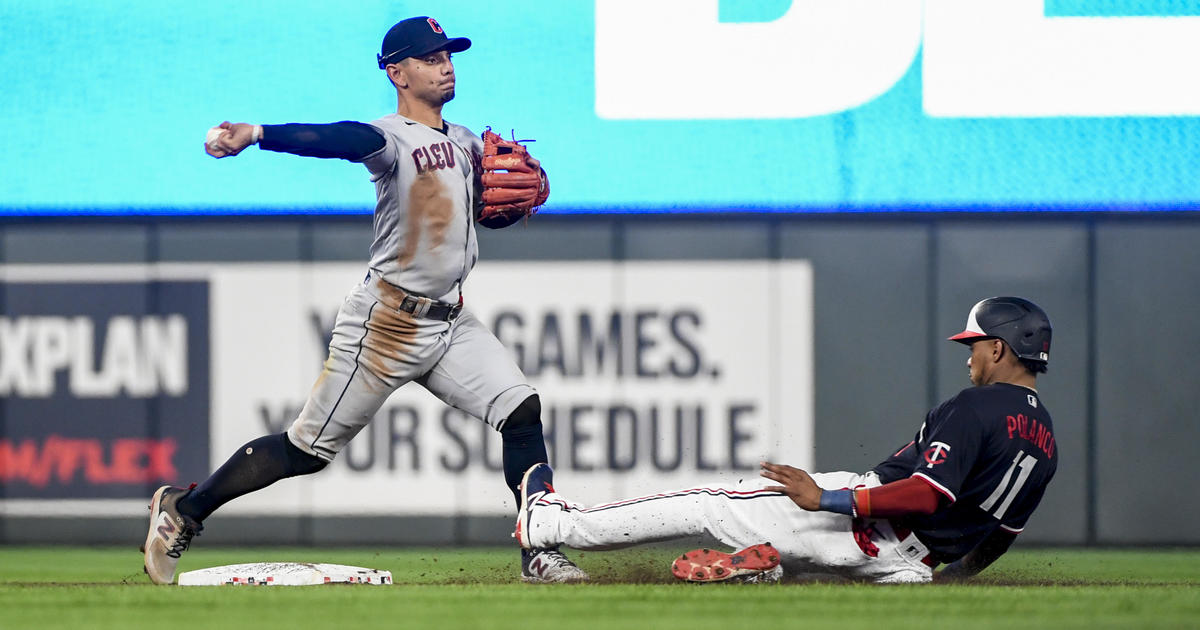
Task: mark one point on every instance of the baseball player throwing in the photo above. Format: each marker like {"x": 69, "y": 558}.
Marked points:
{"x": 406, "y": 321}
{"x": 958, "y": 493}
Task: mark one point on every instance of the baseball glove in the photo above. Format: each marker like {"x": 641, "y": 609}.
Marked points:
{"x": 514, "y": 184}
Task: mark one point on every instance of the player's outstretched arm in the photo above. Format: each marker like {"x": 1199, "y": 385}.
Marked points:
{"x": 898, "y": 498}
{"x": 795, "y": 483}
{"x": 979, "y": 558}
{"x": 348, "y": 140}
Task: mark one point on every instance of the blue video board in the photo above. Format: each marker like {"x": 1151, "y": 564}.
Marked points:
{"x": 636, "y": 105}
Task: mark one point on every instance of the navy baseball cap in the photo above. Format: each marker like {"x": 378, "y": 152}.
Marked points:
{"x": 415, "y": 37}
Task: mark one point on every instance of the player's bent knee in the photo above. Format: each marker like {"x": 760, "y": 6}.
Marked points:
{"x": 527, "y": 414}
{"x": 302, "y": 463}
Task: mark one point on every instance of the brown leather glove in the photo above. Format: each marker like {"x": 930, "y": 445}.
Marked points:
{"x": 514, "y": 184}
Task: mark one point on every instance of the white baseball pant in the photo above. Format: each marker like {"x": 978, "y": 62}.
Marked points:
{"x": 811, "y": 544}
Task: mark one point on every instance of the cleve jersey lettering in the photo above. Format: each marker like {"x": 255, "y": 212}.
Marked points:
{"x": 436, "y": 156}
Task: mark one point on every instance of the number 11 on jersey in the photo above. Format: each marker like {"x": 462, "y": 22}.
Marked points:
{"x": 1026, "y": 464}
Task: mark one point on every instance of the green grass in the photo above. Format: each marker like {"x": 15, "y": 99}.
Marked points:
{"x": 478, "y": 589}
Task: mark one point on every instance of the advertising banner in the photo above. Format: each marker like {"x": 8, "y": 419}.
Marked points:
{"x": 652, "y": 375}
{"x": 104, "y": 389}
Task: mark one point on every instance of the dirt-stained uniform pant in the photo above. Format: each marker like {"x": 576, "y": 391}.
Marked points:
{"x": 739, "y": 515}
{"x": 377, "y": 347}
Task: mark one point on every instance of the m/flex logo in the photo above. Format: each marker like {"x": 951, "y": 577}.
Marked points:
{"x": 675, "y": 59}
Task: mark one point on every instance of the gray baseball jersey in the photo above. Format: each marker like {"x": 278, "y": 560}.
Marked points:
{"x": 428, "y": 190}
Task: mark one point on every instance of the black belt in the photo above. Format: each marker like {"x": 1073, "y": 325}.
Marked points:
{"x": 430, "y": 308}
{"x": 418, "y": 305}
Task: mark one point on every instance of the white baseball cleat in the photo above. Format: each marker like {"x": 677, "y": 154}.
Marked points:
{"x": 549, "y": 566}
{"x": 169, "y": 535}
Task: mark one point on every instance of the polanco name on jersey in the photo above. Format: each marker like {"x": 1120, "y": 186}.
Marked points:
{"x": 137, "y": 356}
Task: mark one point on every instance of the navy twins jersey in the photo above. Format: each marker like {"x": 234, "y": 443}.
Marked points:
{"x": 991, "y": 451}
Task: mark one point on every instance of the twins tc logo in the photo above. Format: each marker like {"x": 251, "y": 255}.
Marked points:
{"x": 936, "y": 454}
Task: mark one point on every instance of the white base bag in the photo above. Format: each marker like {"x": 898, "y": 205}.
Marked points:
{"x": 284, "y": 574}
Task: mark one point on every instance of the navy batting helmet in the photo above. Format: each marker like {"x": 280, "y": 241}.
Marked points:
{"x": 1020, "y": 323}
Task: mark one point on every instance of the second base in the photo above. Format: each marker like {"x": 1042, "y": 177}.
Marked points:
{"x": 284, "y": 574}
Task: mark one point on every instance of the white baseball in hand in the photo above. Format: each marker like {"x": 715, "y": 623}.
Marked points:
{"x": 210, "y": 138}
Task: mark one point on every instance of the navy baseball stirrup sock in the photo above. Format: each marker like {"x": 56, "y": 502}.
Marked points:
{"x": 258, "y": 464}
{"x": 524, "y": 445}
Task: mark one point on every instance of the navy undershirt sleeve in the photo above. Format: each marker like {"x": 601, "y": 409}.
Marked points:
{"x": 347, "y": 139}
